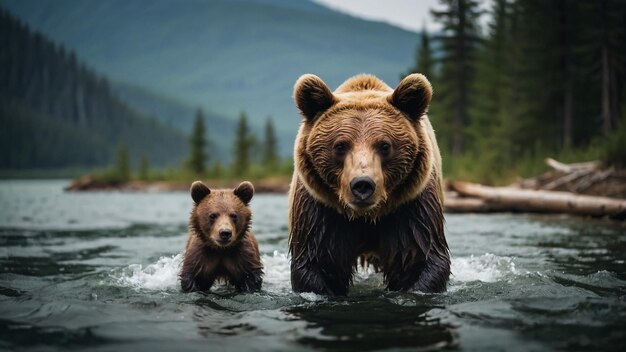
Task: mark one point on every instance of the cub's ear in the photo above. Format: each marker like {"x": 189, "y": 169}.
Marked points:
{"x": 412, "y": 96}
{"x": 199, "y": 191}
{"x": 312, "y": 96}
{"x": 244, "y": 191}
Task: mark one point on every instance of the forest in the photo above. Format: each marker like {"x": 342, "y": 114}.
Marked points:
{"x": 542, "y": 79}
{"x": 57, "y": 113}
{"x": 545, "y": 78}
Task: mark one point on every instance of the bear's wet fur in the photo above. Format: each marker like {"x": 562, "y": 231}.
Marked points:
{"x": 220, "y": 245}
{"x": 367, "y": 183}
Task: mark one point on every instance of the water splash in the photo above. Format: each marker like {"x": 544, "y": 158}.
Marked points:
{"x": 487, "y": 268}
{"x": 277, "y": 277}
{"x": 161, "y": 276}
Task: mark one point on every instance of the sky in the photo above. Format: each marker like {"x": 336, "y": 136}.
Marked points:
{"x": 408, "y": 14}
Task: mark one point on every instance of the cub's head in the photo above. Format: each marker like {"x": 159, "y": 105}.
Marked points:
{"x": 363, "y": 149}
{"x": 221, "y": 217}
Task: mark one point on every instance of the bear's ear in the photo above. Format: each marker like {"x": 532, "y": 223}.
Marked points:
{"x": 312, "y": 96}
{"x": 412, "y": 96}
{"x": 244, "y": 191}
{"x": 199, "y": 191}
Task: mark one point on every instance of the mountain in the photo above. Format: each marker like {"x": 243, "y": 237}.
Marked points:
{"x": 178, "y": 115}
{"x": 58, "y": 113}
{"x": 223, "y": 55}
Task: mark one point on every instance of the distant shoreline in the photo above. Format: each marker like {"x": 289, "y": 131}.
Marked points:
{"x": 92, "y": 184}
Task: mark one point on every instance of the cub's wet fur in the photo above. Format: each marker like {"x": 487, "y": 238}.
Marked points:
{"x": 220, "y": 245}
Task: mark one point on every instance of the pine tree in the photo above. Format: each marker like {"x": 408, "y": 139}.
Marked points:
{"x": 424, "y": 62}
{"x": 270, "y": 147}
{"x": 459, "y": 41}
{"x": 144, "y": 168}
{"x": 490, "y": 127}
{"x": 242, "y": 147}
{"x": 122, "y": 163}
{"x": 198, "y": 157}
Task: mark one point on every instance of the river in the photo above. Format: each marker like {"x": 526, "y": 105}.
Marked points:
{"x": 98, "y": 271}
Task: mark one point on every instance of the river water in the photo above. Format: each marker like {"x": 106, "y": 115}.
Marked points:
{"x": 98, "y": 271}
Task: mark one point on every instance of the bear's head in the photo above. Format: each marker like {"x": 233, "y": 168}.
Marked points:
{"x": 365, "y": 148}
{"x": 221, "y": 218}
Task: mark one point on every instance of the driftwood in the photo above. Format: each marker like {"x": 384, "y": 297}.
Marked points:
{"x": 559, "y": 166}
{"x": 589, "y": 178}
{"x": 523, "y": 200}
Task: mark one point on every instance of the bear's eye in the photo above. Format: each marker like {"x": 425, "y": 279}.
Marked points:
{"x": 384, "y": 148}
{"x": 233, "y": 217}
{"x": 212, "y": 216}
{"x": 340, "y": 149}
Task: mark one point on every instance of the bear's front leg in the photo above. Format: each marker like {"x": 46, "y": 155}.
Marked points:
{"x": 413, "y": 248}
{"x": 198, "y": 270}
{"x": 312, "y": 275}
{"x": 244, "y": 268}
{"x": 321, "y": 247}
{"x": 431, "y": 275}
{"x": 190, "y": 283}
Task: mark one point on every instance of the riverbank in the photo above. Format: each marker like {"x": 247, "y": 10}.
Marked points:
{"x": 278, "y": 184}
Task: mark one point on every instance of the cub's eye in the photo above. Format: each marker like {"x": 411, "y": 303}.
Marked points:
{"x": 340, "y": 148}
{"x": 212, "y": 216}
{"x": 384, "y": 148}
{"x": 233, "y": 217}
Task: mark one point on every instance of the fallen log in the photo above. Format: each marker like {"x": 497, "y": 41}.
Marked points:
{"x": 539, "y": 201}
{"x": 468, "y": 205}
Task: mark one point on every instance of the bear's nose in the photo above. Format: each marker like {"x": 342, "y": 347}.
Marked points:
{"x": 362, "y": 187}
{"x": 225, "y": 234}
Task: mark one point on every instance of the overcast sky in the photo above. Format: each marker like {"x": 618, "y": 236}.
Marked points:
{"x": 407, "y": 14}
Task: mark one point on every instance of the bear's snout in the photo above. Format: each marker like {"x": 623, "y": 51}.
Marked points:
{"x": 362, "y": 188}
{"x": 225, "y": 234}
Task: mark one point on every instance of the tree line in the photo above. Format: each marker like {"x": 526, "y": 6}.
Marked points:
{"x": 546, "y": 78}
{"x": 251, "y": 157}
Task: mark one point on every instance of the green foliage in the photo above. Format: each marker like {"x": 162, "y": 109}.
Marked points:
{"x": 122, "y": 163}
{"x": 459, "y": 41}
{"x": 545, "y": 81}
{"x": 144, "y": 168}
{"x": 270, "y": 146}
{"x": 614, "y": 151}
{"x": 198, "y": 143}
{"x": 242, "y": 147}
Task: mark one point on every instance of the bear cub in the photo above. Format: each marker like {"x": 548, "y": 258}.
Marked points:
{"x": 220, "y": 245}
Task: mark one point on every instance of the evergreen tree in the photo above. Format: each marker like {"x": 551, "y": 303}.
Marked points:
{"x": 491, "y": 126}
{"x": 270, "y": 147}
{"x": 424, "y": 62}
{"x": 198, "y": 157}
{"x": 242, "y": 147}
{"x": 602, "y": 46}
{"x": 144, "y": 168}
{"x": 122, "y": 163}
{"x": 459, "y": 41}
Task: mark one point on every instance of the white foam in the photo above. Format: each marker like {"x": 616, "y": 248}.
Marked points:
{"x": 277, "y": 273}
{"x": 162, "y": 275}
{"x": 487, "y": 268}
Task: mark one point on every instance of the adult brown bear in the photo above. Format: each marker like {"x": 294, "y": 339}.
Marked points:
{"x": 367, "y": 183}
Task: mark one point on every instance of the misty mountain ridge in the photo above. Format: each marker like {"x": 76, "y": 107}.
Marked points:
{"x": 224, "y": 56}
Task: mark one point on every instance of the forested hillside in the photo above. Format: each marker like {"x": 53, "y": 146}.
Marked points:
{"x": 223, "y": 55}
{"x": 57, "y": 113}
{"x": 547, "y": 79}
